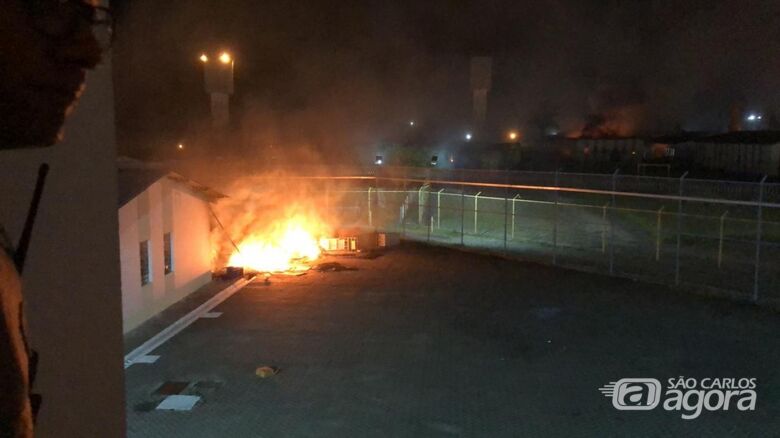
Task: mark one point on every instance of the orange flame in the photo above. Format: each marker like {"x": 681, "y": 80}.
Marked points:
{"x": 290, "y": 245}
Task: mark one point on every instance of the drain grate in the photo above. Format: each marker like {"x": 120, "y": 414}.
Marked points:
{"x": 146, "y": 406}
{"x": 171, "y": 388}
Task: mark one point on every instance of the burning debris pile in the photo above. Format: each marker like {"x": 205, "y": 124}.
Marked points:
{"x": 267, "y": 230}
{"x": 287, "y": 244}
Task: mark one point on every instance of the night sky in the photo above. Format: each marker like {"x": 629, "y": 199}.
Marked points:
{"x": 346, "y": 74}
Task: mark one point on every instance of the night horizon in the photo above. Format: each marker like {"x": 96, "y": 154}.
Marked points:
{"x": 353, "y": 75}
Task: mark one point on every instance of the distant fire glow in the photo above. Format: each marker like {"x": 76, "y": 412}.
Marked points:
{"x": 290, "y": 245}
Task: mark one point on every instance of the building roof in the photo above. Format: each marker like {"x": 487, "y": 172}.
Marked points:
{"x": 132, "y": 182}
{"x": 134, "y": 178}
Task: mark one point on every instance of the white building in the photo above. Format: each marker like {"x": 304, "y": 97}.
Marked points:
{"x": 165, "y": 250}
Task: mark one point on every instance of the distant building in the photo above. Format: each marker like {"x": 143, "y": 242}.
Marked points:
{"x": 610, "y": 149}
{"x": 164, "y": 240}
{"x": 742, "y": 152}
{"x": 601, "y": 154}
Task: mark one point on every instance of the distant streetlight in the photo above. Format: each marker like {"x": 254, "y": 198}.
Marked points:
{"x": 411, "y": 122}
{"x": 180, "y": 146}
{"x": 218, "y": 83}
{"x": 513, "y": 135}
{"x": 754, "y": 117}
{"x": 378, "y": 161}
{"x": 468, "y": 136}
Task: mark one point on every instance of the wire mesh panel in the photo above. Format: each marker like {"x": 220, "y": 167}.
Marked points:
{"x": 669, "y": 230}
{"x": 702, "y": 245}
{"x": 445, "y": 216}
{"x": 582, "y": 236}
{"x": 388, "y": 209}
{"x": 769, "y": 273}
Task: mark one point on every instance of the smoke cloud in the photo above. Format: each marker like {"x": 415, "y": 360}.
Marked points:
{"x": 327, "y": 81}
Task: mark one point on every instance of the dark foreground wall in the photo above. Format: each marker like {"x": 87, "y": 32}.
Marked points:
{"x": 71, "y": 281}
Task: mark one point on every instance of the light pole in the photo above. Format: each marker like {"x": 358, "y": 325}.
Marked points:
{"x": 218, "y": 82}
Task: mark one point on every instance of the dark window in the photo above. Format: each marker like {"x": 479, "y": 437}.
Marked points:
{"x": 146, "y": 266}
{"x": 168, "y": 252}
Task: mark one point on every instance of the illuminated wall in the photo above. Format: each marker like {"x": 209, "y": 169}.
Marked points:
{"x": 164, "y": 207}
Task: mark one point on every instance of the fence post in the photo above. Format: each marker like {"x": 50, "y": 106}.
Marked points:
{"x": 376, "y": 207}
{"x": 604, "y": 228}
{"x": 555, "y": 222}
{"x": 759, "y": 226}
{"x": 658, "y": 234}
{"x": 506, "y": 208}
{"x": 404, "y": 209}
{"x": 404, "y": 204}
{"x": 513, "y": 215}
{"x": 679, "y": 231}
{"x": 612, "y": 225}
{"x": 720, "y": 237}
{"x": 462, "y": 212}
{"x": 476, "y": 209}
{"x": 420, "y": 206}
{"x": 438, "y": 209}
{"x": 370, "y": 218}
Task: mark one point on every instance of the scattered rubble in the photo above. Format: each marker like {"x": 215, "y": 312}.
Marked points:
{"x": 266, "y": 371}
{"x": 333, "y": 267}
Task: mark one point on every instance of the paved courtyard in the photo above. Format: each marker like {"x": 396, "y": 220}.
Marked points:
{"x": 427, "y": 341}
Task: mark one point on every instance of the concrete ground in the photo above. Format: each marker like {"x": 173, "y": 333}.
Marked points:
{"x": 427, "y": 341}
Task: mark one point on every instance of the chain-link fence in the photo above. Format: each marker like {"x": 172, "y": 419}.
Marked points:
{"x": 716, "y": 235}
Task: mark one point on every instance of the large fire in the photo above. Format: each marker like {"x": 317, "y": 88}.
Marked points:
{"x": 287, "y": 246}
{"x": 268, "y": 224}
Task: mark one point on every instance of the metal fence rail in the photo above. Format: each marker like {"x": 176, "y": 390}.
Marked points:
{"x": 668, "y": 230}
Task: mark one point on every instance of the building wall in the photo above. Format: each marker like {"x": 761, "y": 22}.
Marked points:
{"x": 165, "y": 207}
{"x": 71, "y": 278}
{"x": 773, "y": 167}
{"x": 759, "y": 159}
